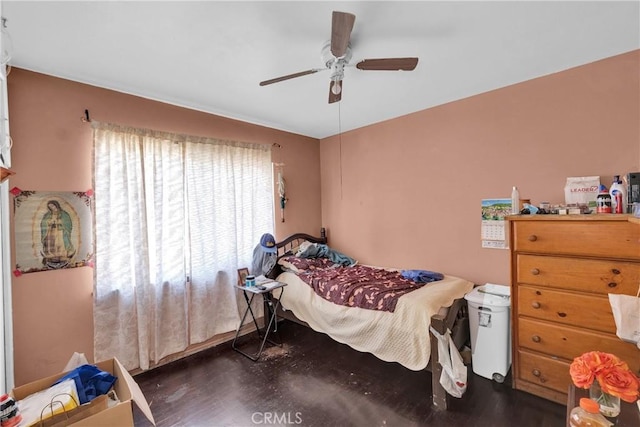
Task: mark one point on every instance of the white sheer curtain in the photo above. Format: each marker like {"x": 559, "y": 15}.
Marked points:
{"x": 176, "y": 216}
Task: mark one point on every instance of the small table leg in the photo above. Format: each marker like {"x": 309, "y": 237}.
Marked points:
{"x": 246, "y": 298}
{"x": 270, "y": 314}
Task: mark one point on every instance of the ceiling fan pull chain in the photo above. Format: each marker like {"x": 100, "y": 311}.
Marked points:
{"x": 340, "y": 144}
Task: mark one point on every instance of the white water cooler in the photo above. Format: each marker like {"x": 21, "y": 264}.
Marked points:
{"x": 490, "y": 327}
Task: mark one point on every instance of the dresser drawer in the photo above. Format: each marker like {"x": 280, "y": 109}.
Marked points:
{"x": 585, "y": 275}
{"x": 613, "y": 239}
{"x": 544, "y": 371}
{"x": 585, "y": 311}
{"x": 568, "y": 342}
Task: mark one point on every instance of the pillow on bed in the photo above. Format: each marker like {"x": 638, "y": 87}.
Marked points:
{"x": 287, "y": 265}
{"x": 297, "y": 265}
{"x": 303, "y": 247}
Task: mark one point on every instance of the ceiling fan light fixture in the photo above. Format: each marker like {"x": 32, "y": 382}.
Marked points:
{"x": 336, "y": 88}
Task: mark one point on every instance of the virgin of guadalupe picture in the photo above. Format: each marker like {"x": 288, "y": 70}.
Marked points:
{"x": 53, "y": 230}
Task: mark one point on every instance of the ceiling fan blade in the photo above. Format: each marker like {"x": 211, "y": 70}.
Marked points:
{"x": 335, "y": 91}
{"x": 388, "y": 64}
{"x": 290, "y": 76}
{"x": 341, "y": 26}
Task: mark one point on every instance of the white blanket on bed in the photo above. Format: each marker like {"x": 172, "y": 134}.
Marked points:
{"x": 401, "y": 336}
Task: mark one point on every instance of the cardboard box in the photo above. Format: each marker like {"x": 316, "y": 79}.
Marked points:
{"x": 121, "y": 414}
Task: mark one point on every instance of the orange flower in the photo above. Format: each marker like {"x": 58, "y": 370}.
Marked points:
{"x": 581, "y": 373}
{"x": 613, "y": 375}
{"x": 619, "y": 382}
{"x": 598, "y": 360}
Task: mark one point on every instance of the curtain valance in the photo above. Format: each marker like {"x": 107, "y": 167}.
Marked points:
{"x": 176, "y": 137}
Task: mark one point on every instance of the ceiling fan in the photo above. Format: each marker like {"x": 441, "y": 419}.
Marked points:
{"x": 336, "y": 54}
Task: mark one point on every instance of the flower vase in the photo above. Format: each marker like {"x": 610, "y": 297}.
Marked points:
{"x": 609, "y": 404}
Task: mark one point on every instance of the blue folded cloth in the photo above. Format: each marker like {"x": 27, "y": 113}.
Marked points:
{"x": 319, "y": 250}
{"x": 90, "y": 381}
{"x": 422, "y": 276}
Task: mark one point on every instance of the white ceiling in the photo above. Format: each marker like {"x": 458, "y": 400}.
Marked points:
{"x": 210, "y": 55}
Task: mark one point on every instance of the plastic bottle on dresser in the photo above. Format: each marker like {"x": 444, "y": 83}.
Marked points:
{"x": 588, "y": 415}
{"x": 603, "y": 200}
{"x": 618, "y": 196}
{"x": 515, "y": 201}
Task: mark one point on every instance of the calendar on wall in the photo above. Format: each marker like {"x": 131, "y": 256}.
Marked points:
{"x": 494, "y": 225}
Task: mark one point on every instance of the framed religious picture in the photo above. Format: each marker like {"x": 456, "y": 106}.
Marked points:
{"x": 242, "y": 275}
{"x": 53, "y": 230}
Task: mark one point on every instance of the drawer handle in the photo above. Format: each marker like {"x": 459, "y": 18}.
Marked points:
{"x": 612, "y": 284}
{"x": 535, "y": 271}
{"x": 562, "y": 314}
{"x": 535, "y": 304}
{"x": 535, "y": 338}
{"x": 533, "y": 238}
{"x": 536, "y": 373}
{"x": 615, "y": 271}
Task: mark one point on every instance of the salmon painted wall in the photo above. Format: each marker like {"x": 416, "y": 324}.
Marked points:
{"x": 407, "y": 192}
{"x": 52, "y": 311}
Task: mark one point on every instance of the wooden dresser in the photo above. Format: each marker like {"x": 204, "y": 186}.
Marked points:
{"x": 562, "y": 268}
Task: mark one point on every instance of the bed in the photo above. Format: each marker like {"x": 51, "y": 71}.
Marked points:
{"x": 396, "y": 331}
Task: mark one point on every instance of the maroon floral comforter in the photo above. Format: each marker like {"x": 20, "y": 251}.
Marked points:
{"x": 359, "y": 286}
{"x": 301, "y": 264}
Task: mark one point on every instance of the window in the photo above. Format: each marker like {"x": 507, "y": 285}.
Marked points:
{"x": 176, "y": 216}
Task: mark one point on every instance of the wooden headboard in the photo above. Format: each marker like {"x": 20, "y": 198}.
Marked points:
{"x": 286, "y": 246}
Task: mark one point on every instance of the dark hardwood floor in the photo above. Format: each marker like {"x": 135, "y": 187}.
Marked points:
{"x": 315, "y": 381}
